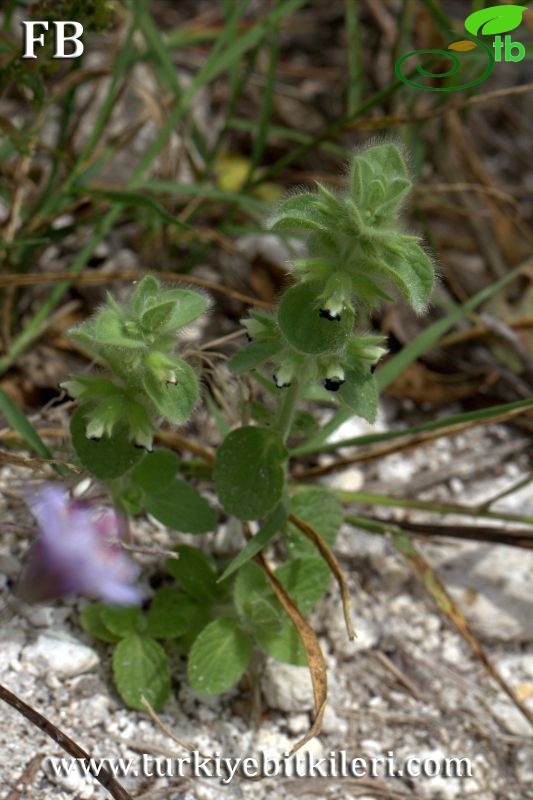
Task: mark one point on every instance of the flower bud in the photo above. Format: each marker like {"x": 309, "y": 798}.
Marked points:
{"x": 336, "y": 297}
{"x": 162, "y": 366}
{"x": 284, "y": 374}
{"x": 334, "y": 377}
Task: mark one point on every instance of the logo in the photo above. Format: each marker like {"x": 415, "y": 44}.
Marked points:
{"x": 63, "y": 32}
{"x": 488, "y": 21}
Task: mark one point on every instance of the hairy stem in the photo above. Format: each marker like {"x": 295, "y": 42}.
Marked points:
{"x": 287, "y": 409}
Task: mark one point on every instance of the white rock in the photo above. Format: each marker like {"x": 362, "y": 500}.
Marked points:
{"x": 367, "y": 633}
{"x": 511, "y": 718}
{"x": 452, "y": 652}
{"x": 11, "y": 644}
{"x": 82, "y": 487}
{"x": 46, "y": 616}
{"x": 80, "y": 786}
{"x": 372, "y": 747}
{"x": 63, "y": 656}
{"x": 441, "y": 787}
{"x": 517, "y": 668}
{"x": 273, "y": 743}
{"x": 352, "y": 542}
{"x": 40, "y": 616}
{"x": 525, "y": 766}
{"x": 520, "y": 502}
{"x": 298, "y": 723}
{"x": 9, "y": 568}
{"x": 492, "y": 584}
{"x": 394, "y": 574}
{"x": 333, "y": 724}
{"x": 286, "y": 687}
{"x": 95, "y": 709}
{"x": 396, "y": 469}
{"x": 229, "y": 537}
{"x": 457, "y": 486}
{"x": 348, "y": 480}
{"x": 355, "y": 426}
{"x": 270, "y": 247}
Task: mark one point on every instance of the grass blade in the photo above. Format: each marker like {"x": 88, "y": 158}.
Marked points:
{"x": 17, "y": 420}
{"x": 270, "y": 528}
{"x": 491, "y": 414}
{"x": 355, "y": 60}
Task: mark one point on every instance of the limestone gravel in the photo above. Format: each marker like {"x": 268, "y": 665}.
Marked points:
{"x": 436, "y": 700}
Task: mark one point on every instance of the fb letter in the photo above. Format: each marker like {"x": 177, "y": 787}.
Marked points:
{"x": 61, "y": 38}
{"x": 30, "y": 39}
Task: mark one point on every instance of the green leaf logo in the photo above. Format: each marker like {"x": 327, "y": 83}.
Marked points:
{"x": 496, "y": 19}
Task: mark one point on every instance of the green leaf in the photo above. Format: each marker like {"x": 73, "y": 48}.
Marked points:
{"x": 421, "y": 284}
{"x": 188, "y": 306}
{"x": 148, "y": 288}
{"x": 195, "y": 572}
{"x": 137, "y": 200}
{"x": 256, "y": 602}
{"x": 93, "y": 387}
{"x": 252, "y": 356}
{"x": 122, "y": 620}
{"x": 179, "y": 307}
{"x": 249, "y": 472}
{"x": 83, "y": 337}
{"x": 155, "y": 317}
{"x": 181, "y": 507}
{"x": 285, "y": 645}
{"x": 411, "y": 271}
{"x": 110, "y": 456}
{"x": 92, "y": 622}
{"x": 110, "y": 330}
{"x": 141, "y": 427}
{"x": 305, "y": 330}
{"x": 174, "y": 401}
{"x": 104, "y": 416}
{"x": 268, "y": 530}
{"x": 396, "y": 193}
{"x": 170, "y": 614}
{"x": 219, "y": 656}
{"x": 156, "y": 470}
{"x": 131, "y": 499}
{"x": 300, "y": 213}
{"x": 322, "y": 510}
{"x": 382, "y": 163}
{"x": 360, "y": 393}
{"x": 306, "y": 580}
{"x": 496, "y": 19}
{"x": 140, "y": 668}
{"x": 17, "y": 420}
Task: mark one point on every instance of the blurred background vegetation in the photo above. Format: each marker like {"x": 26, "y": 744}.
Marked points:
{"x": 163, "y": 146}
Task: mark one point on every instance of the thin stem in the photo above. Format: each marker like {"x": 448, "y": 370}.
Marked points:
{"x": 287, "y": 409}
{"x": 375, "y": 499}
{"x": 101, "y": 774}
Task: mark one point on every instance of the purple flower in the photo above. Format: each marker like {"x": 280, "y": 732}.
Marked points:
{"x": 77, "y": 551}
